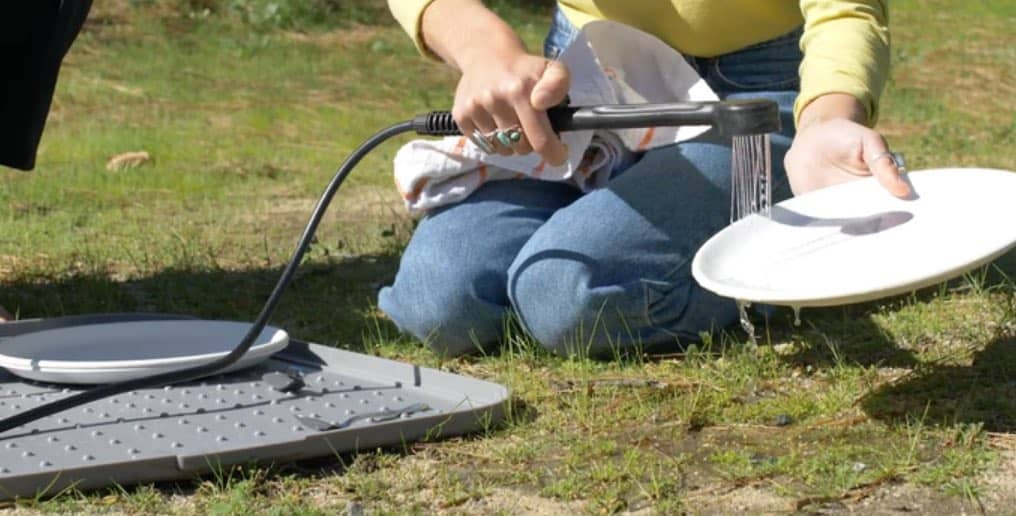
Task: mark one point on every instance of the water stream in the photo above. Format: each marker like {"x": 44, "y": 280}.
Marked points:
{"x": 751, "y": 193}
{"x": 751, "y": 176}
{"x": 746, "y": 325}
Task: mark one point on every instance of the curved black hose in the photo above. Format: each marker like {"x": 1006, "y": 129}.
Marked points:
{"x": 220, "y": 364}
{"x": 732, "y": 117}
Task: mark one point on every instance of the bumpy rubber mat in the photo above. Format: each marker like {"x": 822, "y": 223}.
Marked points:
{"x": 307, "y": 401}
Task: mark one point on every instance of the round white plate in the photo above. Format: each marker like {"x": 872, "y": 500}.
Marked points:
{"x": 102, "y": 353}
{"x": 855, "y": 242}
{"x": 101, "y": 376}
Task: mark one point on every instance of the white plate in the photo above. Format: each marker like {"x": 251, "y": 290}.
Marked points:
{"x": 102, "y": 353}
{"x": 101, "y": 376}
{"x": 855, "y": 242}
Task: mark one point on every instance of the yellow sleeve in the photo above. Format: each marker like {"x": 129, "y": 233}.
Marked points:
{"x": 409, "y": 14}
{"x": 846, "y": 50}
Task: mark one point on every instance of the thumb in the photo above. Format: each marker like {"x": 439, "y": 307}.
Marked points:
{"x": 883, "y": 165}
{"x": 552, "y": 87}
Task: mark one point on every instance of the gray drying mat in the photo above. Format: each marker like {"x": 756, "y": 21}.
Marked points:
{"x": 179, "y": 431}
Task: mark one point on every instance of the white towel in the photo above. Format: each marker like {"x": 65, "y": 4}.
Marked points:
{"x": 610, "y": 63}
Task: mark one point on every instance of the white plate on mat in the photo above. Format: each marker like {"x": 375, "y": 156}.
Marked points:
{"x": 103, "y": 353}
{"x": 855, "y": 242}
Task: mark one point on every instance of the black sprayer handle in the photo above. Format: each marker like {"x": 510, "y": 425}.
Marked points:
{"x": 630, "y": 116}
{"x": 729, "y": 117}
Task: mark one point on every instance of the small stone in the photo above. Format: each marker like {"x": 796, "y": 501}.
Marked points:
{"x": 783, "y": 420}
{"x": 354, "y": 509}
{"x": 759, "y": 459}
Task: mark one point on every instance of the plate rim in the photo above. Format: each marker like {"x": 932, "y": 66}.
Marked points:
{"x": 804, "y": 298}
{"x": 278, "y": 340}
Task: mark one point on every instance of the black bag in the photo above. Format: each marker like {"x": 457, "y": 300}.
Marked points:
{"x": 34, "y": 38}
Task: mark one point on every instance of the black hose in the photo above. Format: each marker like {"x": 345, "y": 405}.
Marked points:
{"x": 738, "y": 117}
{"x": 220, "y": 364}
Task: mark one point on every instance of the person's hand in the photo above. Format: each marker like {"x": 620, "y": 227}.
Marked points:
{"x": 503, "y": 87}
{"x": 513, "y": 91}
{"x": 829, "y": 151}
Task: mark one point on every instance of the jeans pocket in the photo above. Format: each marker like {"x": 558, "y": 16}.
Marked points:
{"x": 768, "y": 66}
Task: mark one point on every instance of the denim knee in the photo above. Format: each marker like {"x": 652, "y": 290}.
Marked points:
{"x": 571, "y": 316}
{"x": 444, "y": 307}
{"x": 559, "y": 303}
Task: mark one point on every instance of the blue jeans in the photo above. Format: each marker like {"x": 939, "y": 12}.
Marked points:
{"x": 598, "y": 274}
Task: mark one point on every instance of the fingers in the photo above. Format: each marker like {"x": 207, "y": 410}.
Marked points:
{"x": 517, "y": 99}
{"x": 882, "y": 165}
{"x": 549, "y": 91}
{"x": 471, "y": 116}
{"x": 502, "y": 108}
{"x": 552, "y": 87}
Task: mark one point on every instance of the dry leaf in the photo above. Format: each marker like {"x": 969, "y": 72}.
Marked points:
{"x": 109, "y": 500}
{"x": 127, "y": 160}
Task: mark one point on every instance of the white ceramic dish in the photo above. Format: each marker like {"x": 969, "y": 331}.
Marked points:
{"x": 854, "y": 242}
{"x": 103, "y": 353}
{"x": 102, "y": 376}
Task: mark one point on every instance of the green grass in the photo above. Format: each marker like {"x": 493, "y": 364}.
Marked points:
{"x": 245, "y": 124}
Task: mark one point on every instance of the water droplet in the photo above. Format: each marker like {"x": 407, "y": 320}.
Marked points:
{"x": 746, "y": 325}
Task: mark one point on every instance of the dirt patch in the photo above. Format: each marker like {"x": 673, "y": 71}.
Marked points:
{"x": 351, "y": 203}
{"x": 895, "y": 129}
{"x": 998, "y": 494}
{"x": 346, "y": 37}
{"x": 904, "y": 499}
{"x": 750, "y": 499}
{"x": 511, "y": 501}
{"x": 1000, "y": 483}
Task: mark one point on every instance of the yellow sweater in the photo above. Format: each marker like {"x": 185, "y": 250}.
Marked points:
{"x": 845, "y": 42}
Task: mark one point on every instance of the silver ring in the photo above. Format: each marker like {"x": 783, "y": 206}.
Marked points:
{"x": 896, "y": 157}
{"x": 509, "y": 137}
{"x": 481, "y": 141}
